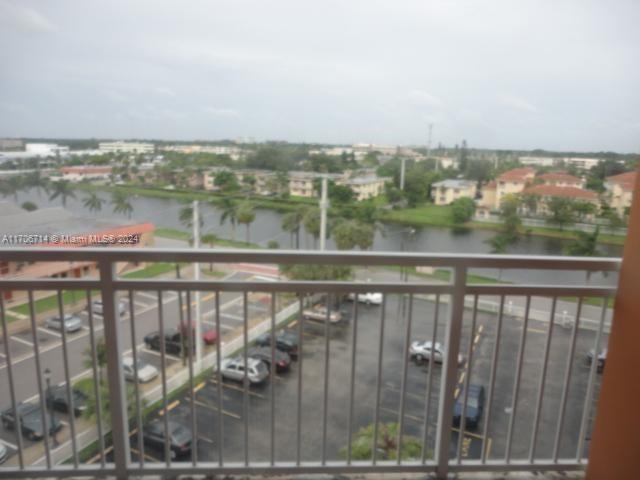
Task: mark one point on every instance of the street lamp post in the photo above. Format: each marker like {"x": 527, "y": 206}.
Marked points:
{"x": 47, "y": 378}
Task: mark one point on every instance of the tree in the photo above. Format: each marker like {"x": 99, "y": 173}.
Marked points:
{"x": 291, "y": 222}
{"x": 561, "y": 211}
{"x": 229, "y": 212}
{"x": 585, "y": 245}
{"x": 463, "y": 157}
{"x": 462, "y": 209}
{"x": 311, "y": 223}
{"x": 93, "y": 202}
{"x": 510, "y": 218}
{"x": 246, "y": 215}
{"x": 393, "y": 193}
{"x": 121, "y": 203}
{"x": 341, "y": 193}
{"x": 530, "y": 202}
{"x": 29, "y": 206}
{"x": 387, "y": 444}
{"x": 226, "y": 181}
{"x": 37, "y": 181}
{"x": 210, "y": 239}
{"x": 348, "y": 234}
{"x": 62, "y": 189}
{"x": 584, "y": 209}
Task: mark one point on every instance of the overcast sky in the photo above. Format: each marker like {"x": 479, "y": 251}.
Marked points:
{"x": 555, "y": 74}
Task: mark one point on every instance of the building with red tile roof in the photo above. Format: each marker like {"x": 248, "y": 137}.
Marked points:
{"x": 620, "y": 191}
{"x": 546, "y": 192}
{"x": 561, "y": 179}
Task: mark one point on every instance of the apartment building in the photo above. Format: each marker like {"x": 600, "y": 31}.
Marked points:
{"x": 620, "y": 191}
{"x": 447, "y": 191}
{"x": 561, "y": 179}
{"x": 512, "y": 182}
{"x": 126, "y": 147}
{"x": 80, "y": 173}
{"x": 365, "y": 187}
{"x": 301, "y": 184}
{"x": 546, "y": 192}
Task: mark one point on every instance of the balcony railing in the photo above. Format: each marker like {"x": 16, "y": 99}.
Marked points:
{"x": 522, "y": 343}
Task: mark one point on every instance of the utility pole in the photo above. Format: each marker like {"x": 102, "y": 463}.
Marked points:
{"x": 196, "y": 276}
{"x": 429, "y": 145}
{"x": 402, "y": 167}
{"x": 324, "y": 204}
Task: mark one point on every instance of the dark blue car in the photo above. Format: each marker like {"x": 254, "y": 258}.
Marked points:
{"x": 475, "y": 407}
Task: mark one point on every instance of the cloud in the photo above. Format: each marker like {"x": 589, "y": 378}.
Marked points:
{"x": 115, "y": 96}
{"x": 221, "y": 112}
{"x": 425, "y": 98}
{"x": 165, "y": 91}
{"x": 518, "y": 103}
{"x": 21, "y": 17}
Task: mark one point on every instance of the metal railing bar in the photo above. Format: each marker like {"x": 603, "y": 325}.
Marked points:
{"x": 427, "y": 405}
{"x": 467, "y": 381}
{"x": 299, "y": 405}
{"x": 191, "y": 332}
{"x": 516, "y": 383}
{"x": 354, "y": 342}
{"x": 540, "y": 290}
{"x": 492, "y": 381}
{"x": 43, "y": 405}
{"x": 376, "y": 417}
{"x": 586, "y": 409}
{"x": 67, "y": 378}
{"x": 272, "y": 379}
{"x": 312, "y": 257}
{"x": 245, "y": 383}
{"x": 543, "y": 376}
{"x": 325, "y": 399}
{"x": 567, "y": 379}
{"x": 136, "y": 382}
{"x": 163, "y": 368}
{"x": 403, "y": 388}
{"x": 12, "y": 392}
{"x": 449, "y": 376}
{"x": 219, "y": 380}
{"x": 96, "y": 379}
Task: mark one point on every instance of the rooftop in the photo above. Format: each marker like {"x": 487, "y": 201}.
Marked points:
{"x": 566, "y": 192}
{"x": 454, "y": 183}
{"x": 560, "y": 177}
{"x": 625, "y": 180}
{"x": 517, "y": 175}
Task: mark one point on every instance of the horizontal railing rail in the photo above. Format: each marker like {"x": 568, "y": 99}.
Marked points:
{"x": 451, "y": 316}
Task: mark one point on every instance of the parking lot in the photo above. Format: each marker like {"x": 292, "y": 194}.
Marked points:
{"x": 209, "y": 416}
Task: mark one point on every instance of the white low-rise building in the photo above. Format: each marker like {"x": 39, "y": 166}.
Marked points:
{"x": 447, "y": 191}
{"x": 126, "y": 147}
{"x": 85, "y": 172}
{"x": 45, "y": 149}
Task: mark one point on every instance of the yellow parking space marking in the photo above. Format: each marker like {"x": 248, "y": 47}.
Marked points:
{"x": 199, "y": 387}
{"x": 477, "y": 339}
{"x": 170, "y": 407}
{"x": 462, "y": 375}
{"x": 480, "y": 328}
{"x": 294, "y": 323}
{"x": 388, "y": 410}
{"x": 214, "y": 408}
{"x": 203, "y": 299}
{"x": 456, "y": 394}
{"x": 146, "y": 455}
{"x": 536, "y": 330}
{"x": 238, "y": 389}
{"x": 312, "y": 335}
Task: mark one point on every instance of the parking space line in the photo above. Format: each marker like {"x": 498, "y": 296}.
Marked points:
{"x": 20, "y": 340}
{"x": 9, "y": 444}
{"x": 170, "y": 407}
{"x": 222, "y": 325}
{"x": 49, "y": 332}
{"x": 198, "y": 387}
{"x": 2, "y": 355}
{"x": 231, "y": 316}
{"x": 536, "y": 330}
{"x": 208, "y": 440}
{"x": 238, "y": 389}
{"x": 146, "y": 455}
{"x": 293, "y": 324}
{"x": 158, "y": 354}
{"x": 215, "y": 409}
{"x": 393, "y": 412}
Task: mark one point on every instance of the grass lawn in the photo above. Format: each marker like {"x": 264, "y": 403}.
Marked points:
{"x": 51, "y": 302}
{"x": 152, "y": 270}
{"x": 428, "y": 214}
{"x": 176, "y": 234}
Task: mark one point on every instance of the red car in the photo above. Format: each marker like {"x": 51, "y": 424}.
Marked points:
{"x": 209, "y": 336}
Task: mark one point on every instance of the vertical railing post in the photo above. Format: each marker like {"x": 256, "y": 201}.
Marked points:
{"x": 450, "y": 371}
{"x": 115, "y": 377}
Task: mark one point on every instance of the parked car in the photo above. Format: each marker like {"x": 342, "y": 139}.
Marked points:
{"x": 370, "y": 298}
{"x": 146, "y": 372}
{"x": 209, "y": 336}
{"x": 97, "y": 307}
{"x": 475, "y": 407}
{"x": 172, "y": 341}
{"x": 286, "y": 341}
{"x": 58, "y": 399}
{"x": 282, "y": 359}
{"x": 233, "y": 369}
{"x": 4, "y": 453}
{"x": 319, "y": 312}
{"x": 71, "y": 323}
{"x": 180, "y": 437}
{"x": 421, "y": 351}
{"x": 602, "y": 358}
{"x": 30, "y": 418}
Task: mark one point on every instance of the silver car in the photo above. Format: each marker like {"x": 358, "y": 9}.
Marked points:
{"x": 422, "y": 351}
{"x": 233, "y": 369}
{"x": 4, "y": 452}
{"x": 71, "y": 323}
{"x": 97, "y": 307}
{"x": 146, "y": 372}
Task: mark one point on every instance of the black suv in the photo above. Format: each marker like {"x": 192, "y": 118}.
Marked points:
{"x": 58, "y": 399}
{"x": 172, "y": 341}
{"x": 180, "y": 437}
{"x": 30, "y": 416}
{"x": 282, "y": 359}
{"x": 286, "y": 341}
{"x": 475, "y": 407}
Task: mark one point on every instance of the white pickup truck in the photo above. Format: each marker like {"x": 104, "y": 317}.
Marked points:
{"x": 319, "y": 313}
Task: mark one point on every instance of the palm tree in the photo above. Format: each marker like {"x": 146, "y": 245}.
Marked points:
{"x": 210, "y": 239}
{"x": 37, "y": 181}
{"x": 229, "y": 212}
{"x": 121, "y": 204}
{"x": 62, "y": 189}
{"x": 292, "y": 222}
{"x": 93, "y": 202}
{"x": 246, "y": 215}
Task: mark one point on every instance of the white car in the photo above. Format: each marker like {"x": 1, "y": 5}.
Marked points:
{"x": 97, "y": 307}
{"x": 146, "y": 372}
{"x": 370, "y": 298}
{"x": 233, "y": 369}
{"x": 422, "y": 351}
